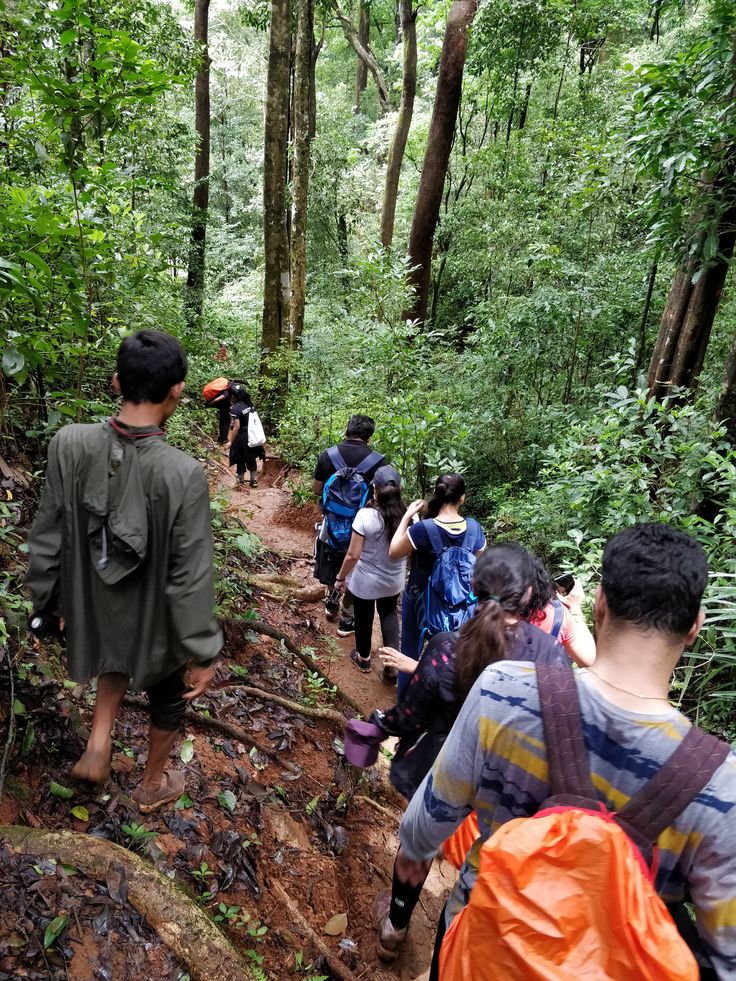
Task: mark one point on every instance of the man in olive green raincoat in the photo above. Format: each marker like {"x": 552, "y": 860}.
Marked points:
{"x": 121, "y": 550}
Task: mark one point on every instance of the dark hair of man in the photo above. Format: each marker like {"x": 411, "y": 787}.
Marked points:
{"x": 360, "y": 427}
{"x": 149, "y": 363}
{"x": 449, "y": 489}
{"x": 387, "y": 500}
{"x": 501, "y": 580}
{"x": 654, "y": 576}
{"x": 239, "y": 395}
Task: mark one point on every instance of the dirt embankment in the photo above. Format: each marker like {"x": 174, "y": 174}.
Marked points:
{"x": 259, "y": 831}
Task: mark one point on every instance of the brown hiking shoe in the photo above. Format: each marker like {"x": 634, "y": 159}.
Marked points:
{"x": 389, "y": 939}
{"x": 172, "y": 787}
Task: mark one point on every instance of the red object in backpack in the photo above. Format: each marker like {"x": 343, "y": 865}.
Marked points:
{"x": 214, "y": 388}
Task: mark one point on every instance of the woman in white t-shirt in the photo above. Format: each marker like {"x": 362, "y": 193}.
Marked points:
{"x": 374, "y": 579}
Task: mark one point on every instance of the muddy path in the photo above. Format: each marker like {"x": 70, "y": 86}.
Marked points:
{"x": 287, "y": 530}
{"x": 256, "y": 837}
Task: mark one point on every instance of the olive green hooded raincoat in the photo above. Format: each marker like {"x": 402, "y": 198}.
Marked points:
{"x": 122, "y": 548}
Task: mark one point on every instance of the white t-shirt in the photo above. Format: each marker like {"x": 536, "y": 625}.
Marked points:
{"x": 375, "y": 575}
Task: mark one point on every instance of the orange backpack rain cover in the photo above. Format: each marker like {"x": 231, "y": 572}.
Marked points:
{"x": 564, "y": 896}
{"x": 457, "y": 846}
{"x": 214, "y": 388}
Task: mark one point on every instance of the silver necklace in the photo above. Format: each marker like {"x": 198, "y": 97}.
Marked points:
{"x": 626, "y": 691}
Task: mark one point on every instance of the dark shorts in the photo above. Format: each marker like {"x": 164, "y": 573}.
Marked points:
{"x": 166, "y": 704}
{"x": 327, "y": 563}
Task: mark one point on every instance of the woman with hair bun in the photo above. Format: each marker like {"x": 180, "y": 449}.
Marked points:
{"x": 448, "y": 669}
{"x": 373, "y": 579}
{"x": 442, "y": 511}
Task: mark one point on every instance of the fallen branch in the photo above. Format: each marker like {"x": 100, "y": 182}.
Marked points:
{"x": 180, "y": 923}
{"x": 236, "y": 732}
{"x": 11, "y": 727}
{"x": 326, "y": 714}
{"x": 379, "y": 807}
{"x": 338, "y": 968}
{"x": 265, "y": 628}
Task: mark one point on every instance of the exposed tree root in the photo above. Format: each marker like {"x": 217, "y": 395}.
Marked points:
{"x": 325, "y": 714}
{"x": 229, "y": 728}
{"x": 265, "y": 628}
{"x": 180, "y": 923}
{"x": 285, "y": 589}
{"x": 334, "y": 963}
{"x": 378, "y": 807}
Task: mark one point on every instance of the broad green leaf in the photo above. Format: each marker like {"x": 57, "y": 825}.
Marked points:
{"x": 80, "y": 812}
{"x": 186, "y": 753}
{"x": 29, "y": 737}
{"x": 53, "y": 930}
{"x": 228, "y": 800}
{"x": 13, "y": 361}
{"x": 60, "y": 791}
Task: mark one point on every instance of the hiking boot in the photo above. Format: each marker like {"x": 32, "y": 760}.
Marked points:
{"x": 254, "y": 483}
{"x": 346, "y": 626}
{"x": 332, "y": 604}
{"x": 389, "y": 939}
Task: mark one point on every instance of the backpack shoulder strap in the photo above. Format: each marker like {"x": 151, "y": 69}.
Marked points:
{"x": 372, "y": 460}
{"x": 676, "y": 784}
{"x": 567, "y": 756}
{"x": 434, "y": 536}
{"x": 336, "y": 458}
{"x": 559, "y": 618}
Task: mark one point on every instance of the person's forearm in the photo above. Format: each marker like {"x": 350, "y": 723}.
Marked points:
{"x": 348, "y": 564}
{"x": 582, "y": 646}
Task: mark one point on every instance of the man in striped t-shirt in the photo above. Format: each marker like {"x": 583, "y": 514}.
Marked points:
{"x": 494, "y": 761}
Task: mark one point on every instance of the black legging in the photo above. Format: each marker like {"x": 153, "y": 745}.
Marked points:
{"x": 364, "y": 611}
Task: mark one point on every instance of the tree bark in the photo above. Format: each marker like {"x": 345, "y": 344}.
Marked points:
{"x": 403, "y": 121}
{"x": 437, "y": 156}
{"x": 201, "y": 194}
{"x": 276, "y": 286}
{"x": 642, "y": 336}
{"x": 361, "y": 69}
{"x": 300, "y": 169}
{"x": 365, "y": 55}
{"x": 688, "y": 317}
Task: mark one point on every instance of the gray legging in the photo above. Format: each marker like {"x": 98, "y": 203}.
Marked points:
{"x": 363, "y": 611}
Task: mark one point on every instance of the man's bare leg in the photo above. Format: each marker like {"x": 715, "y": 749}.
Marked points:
{"x": 161, "y": 742}
{"x": 94, "y": 764}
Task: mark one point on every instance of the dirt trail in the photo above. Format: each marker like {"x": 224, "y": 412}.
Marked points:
{"x": 287, "y": 530}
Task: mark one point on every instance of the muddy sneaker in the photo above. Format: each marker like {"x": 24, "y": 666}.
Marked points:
{"x": 332, "y": 604}
{"x": 254, "y": 483}
{"x": 389, "y": 676}
{"x": 172, "y": 787}
{"x": 389, "y": 940}
{"x": 346, "y": 626}
{"x": 362, "y": 663}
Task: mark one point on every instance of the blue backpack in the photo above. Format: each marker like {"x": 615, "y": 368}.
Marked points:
{"x": 344, "y": 493}
{"x": 559, "y": 616}
{"x": 448, "y": 600}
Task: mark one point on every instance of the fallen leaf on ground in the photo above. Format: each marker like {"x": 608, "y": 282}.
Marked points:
{"x": 336, "y": 925}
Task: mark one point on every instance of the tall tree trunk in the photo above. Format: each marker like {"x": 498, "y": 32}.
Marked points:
{"x": 403, "y": 121}
{"x": 437, "y": 155}
{"x": 525, "y": 106}
{"x": 201, "y": 194}
{"x": 687, "y": 321}
{"x": 300, "y": 170}
{"x": 726, "y": 407}
{"x": 361, "y": 69}
{"x": 276, "y": 286}
{"x": 365, "y": 55}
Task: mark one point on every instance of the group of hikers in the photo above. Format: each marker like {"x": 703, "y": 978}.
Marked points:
{"x": 576, "y": 801}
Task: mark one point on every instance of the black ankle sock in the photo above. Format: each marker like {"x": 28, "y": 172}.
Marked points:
{"x": 403, "y": 900}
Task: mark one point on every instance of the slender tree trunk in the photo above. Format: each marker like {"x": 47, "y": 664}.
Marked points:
{"x": 201, "y": 194}
{"x": 300, "y": 185}
{"x": 437, "y": 156}
{"x": 403, "y": 121}
{"x": 365, "y": 55}
{"x": 276, "y": 286}
{"x": 361, "y": 69}
{"x": 314, "y": 55}
{"x": 642, "y": 338}
{"x": 687, "y": 321}
{"x": 525, "y": 106}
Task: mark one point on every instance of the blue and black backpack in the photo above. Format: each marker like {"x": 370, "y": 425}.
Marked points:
{"x": 343, "y": 495}
{"x": 448, "y": 600}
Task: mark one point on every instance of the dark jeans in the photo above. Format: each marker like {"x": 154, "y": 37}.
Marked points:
{"x": 165, "y": 701}
{"x": 363, "y": 611}
{"x": 409, "y": 636}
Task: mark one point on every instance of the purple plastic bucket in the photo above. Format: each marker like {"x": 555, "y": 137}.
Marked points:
{"x": 362, "y": 740}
